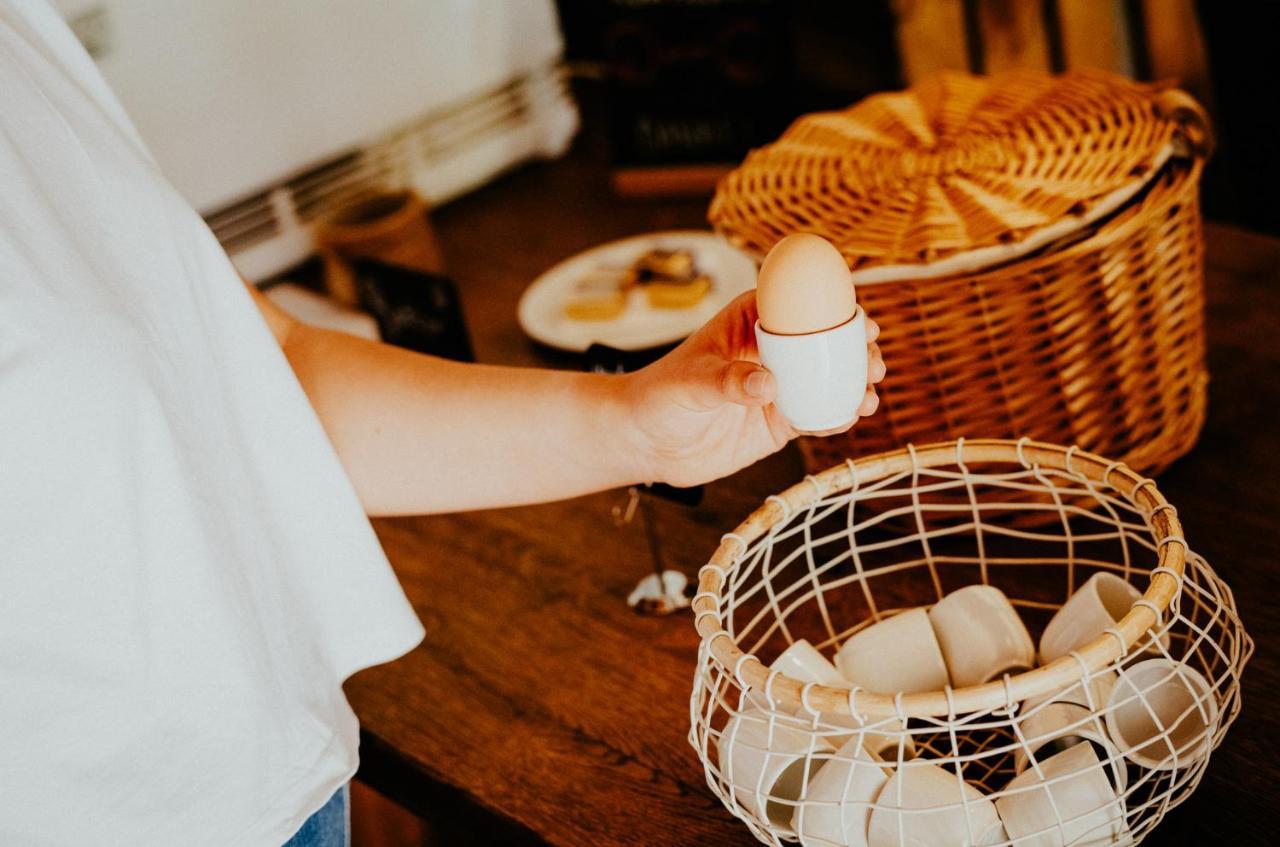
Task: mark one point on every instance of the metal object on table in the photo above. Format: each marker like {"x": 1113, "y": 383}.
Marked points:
{"x": 663, "y": 591}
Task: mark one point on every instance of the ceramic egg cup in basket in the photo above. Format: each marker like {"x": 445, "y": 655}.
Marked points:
{"x": 1030, "y": 246}
{"x": 1093, "y": 747}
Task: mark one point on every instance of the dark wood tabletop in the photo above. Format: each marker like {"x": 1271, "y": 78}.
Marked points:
{"x": 540, "y": 709}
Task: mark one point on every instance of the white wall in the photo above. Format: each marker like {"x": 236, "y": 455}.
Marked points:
{"x": 234, "y": 94}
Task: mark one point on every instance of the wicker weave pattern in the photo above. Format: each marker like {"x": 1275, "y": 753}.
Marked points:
{"x": 1095, "y": 338}
{"x": 1101, "y": 344}
{"x": 958, "y": 163}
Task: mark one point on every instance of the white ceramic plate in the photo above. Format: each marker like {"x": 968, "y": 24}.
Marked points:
{"x": 640, "y": 326}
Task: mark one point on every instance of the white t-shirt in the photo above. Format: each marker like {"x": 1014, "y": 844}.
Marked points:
{"x": 186, "y": 575}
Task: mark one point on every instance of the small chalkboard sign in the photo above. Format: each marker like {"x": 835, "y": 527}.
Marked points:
{"x": 692, "y": 85}
{"x": 415, "y": 309}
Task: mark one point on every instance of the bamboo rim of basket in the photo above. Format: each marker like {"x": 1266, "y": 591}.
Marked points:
{"x": 1166, "y": 581}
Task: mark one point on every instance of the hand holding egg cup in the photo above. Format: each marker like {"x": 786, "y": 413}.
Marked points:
{"x": 814, "y": 337}
{"x": 708, "y": 408}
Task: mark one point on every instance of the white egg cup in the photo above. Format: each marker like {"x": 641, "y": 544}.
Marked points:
{"x": 804, "y": 662}
{"x": 1068, "y": 800}
{"x": 836, "y": 809}
{"x": 981, "y": 635}
{"x": 898, "y": 653}
{"x": 821, "y": 376}
{"x": 1058, "y": 721}
{"x": 1163, "y": 714}
{"x": 768, "y": 758}
{"x": 923, "y": 805}
{"x": 1095, "y": 607}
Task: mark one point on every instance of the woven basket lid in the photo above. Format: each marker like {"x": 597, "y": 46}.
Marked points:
{"x": 957, "y": 173}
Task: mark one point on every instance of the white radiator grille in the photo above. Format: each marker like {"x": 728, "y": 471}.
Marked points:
{"x": 441, "y": 154}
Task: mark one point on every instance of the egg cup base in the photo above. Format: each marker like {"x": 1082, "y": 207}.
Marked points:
{"x": 821, "y": 376}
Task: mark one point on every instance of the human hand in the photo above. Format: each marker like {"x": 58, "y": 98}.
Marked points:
{"x": 706, "y": 409}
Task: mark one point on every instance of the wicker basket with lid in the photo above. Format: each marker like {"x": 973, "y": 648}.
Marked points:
{"x": 1031, "y": 246}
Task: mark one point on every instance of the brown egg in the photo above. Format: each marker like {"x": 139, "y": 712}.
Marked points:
{"x": 804, "y": 287}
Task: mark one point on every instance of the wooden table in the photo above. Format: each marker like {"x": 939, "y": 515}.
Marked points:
{"x": 541, "y": 709}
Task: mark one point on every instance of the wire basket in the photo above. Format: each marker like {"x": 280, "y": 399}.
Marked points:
{"x": 1093, "y": 746}
{"x": 1031, "y": 246}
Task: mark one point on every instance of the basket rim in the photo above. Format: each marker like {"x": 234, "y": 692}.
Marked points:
{"x": 1166, "y": 581}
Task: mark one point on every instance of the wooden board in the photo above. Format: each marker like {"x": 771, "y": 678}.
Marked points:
{"x": 1013, "y": 35}
{"x": 1175, "y": 46}
{"x": 931, "y": 37}
{"x": 1095, "y": 34}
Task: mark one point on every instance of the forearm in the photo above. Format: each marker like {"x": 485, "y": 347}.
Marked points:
{"x": 418, "y": 434}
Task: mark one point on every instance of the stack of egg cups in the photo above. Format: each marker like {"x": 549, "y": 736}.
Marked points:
{"x": 837, "y": 781}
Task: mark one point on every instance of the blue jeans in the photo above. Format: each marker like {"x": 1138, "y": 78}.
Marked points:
{"x": 328, "y": 827}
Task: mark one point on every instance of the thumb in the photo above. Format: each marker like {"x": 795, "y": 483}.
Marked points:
{"x": 746, "y": 384}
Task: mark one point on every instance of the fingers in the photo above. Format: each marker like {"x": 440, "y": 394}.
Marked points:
{"x": 870, "y": 402}
{"x": 745, "y": 305}
{"x": 746, "y": 384}
{"x": 876, "y": 370}
{"x": 742, "y": 380}
{"x": 875, "y": 365}
{"x": 730, "y": 333}
{"x": 823, "y": 433}
{"x": 743, "y": 342}
{"x": 779, "y": 426}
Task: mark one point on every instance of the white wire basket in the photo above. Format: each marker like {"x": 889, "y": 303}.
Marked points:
{"x": 1089, "y": 740}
